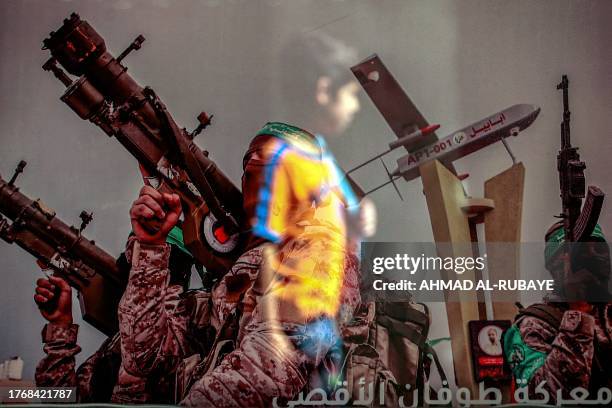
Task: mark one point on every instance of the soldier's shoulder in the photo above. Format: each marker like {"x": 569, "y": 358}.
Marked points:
{"x": 548, "y": 315}
{"x": 538, "y": 325}
{"x": 533, "y": 323}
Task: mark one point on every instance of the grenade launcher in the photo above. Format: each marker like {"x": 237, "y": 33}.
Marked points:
{"x": 105, "y": 94}
{"x": 65, "y": 251}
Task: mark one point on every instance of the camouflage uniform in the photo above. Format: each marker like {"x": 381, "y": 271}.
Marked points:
{"x": 102, "y": 377}
{"x": 94, "y": 379}
{"x": 575, "y": 354}
{"x": 57, "y": 368}
{"x": 248, "y": 344}
{"x": 165, "y": 329}
{"x": 562, "y": 346}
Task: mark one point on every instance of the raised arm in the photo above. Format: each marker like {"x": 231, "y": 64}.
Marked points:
{"x": 57, "y": 368}
{"x": 152, "y": 320}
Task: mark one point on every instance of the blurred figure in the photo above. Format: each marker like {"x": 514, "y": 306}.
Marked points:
{"x": 318, "y": 92}
{"x": 297, "y": 198}
{"x": 274, "y": 316}
{"x": 268, "y": 332}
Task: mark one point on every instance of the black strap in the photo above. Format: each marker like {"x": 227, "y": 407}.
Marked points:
{"x": 430, "y": 350}
{"x": 398, "y": 327}
{"x": 400, "y": 311}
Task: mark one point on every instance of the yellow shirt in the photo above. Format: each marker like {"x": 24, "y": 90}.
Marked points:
{"x": 301, "y": 207}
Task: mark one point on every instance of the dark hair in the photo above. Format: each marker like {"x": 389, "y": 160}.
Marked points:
{"x": 308, "y": 57}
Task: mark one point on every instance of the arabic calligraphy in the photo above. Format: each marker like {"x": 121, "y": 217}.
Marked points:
{"x": 488, "y": 125}
{"x": 456, "y": 142}
{"x": 445, "y": 396}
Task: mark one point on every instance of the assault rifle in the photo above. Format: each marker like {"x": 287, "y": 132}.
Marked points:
{"x": 578, "y": 220}
{"x": 64, "y": 250}
{"x": 106, "y": 95}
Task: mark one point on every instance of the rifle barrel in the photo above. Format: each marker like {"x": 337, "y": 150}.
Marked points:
{"x": 34, "y": 216}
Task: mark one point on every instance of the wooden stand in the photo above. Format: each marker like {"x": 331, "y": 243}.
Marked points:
{"x": 453, "y": 218}
{"x": 504, "y": 226}
{"x": 445, "y": 198}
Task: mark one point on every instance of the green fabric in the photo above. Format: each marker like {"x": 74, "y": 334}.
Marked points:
{"x": 435, "y": 342}
{"x": 556, "y": 239}
{"x": 289, "y": 133}
{"x": 175, "y": 237}
{"x": 522, "y": 359}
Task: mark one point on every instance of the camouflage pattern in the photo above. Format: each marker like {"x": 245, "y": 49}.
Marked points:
{"x": 94, "y": 379}
{"x": 57, "y": 368}
{"x": 274, "y": 358}
{"x": 147, "y": 299}
{"x": 102, "y": 377}
{"x": 350, "y": 295}
{"x": 576, "y": 354}
{"x": 187, "y": 333}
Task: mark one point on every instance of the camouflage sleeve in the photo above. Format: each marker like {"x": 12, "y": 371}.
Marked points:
{"x": 57, "y": 368}
{"x": 130, "y": 389}
{"x": 152, "y": 321}
{"x": 84, "y": 376}
{"x": 106, "y": 359}
{"x": 259, "y": 370}
{"x": 560, "y": 358}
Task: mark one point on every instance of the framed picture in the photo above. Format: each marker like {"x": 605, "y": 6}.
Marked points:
{"x": 486, "y": 338}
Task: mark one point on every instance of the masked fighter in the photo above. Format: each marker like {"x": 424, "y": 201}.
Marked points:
{"x": 312, "y": 271}
{"x": 270, "y": 330}
{"x": 566, "y": 340}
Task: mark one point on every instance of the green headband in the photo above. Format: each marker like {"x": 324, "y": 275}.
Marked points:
{"x": 175, "y": 237}
{"x": 287, "y": 132}
{"x": 557, "y": 238}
